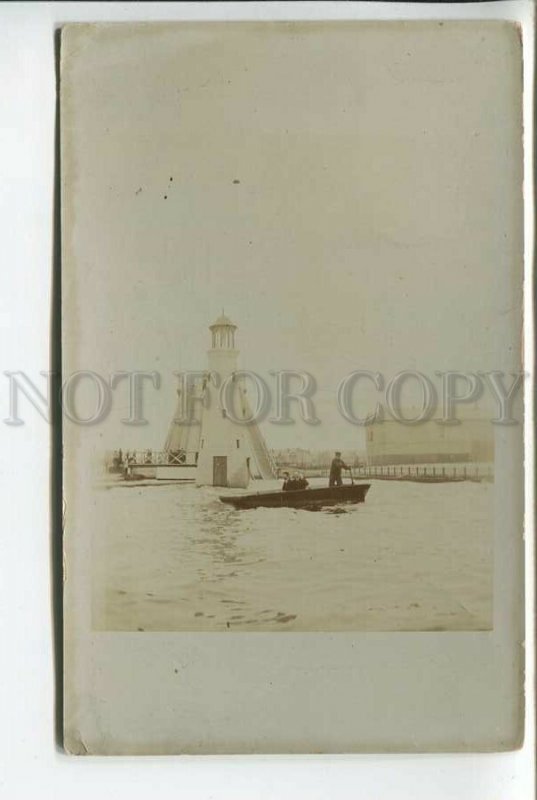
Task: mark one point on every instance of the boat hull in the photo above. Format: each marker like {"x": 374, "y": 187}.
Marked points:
{"x": 309, "y": 499}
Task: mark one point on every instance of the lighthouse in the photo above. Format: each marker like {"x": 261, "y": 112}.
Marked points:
{"x": 209, "y": 446}
{"x": 223, "y": 449}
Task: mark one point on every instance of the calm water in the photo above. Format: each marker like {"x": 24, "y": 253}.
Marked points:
{"x": 412, "y": 557}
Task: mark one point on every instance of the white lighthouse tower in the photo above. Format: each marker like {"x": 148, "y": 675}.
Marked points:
{"x": 208, "y": 444}
{"x": 223, "y": 449}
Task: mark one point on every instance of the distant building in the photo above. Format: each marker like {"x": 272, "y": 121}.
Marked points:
{"x": 293, "y": 457}
{"x": 392, "y": 442}
{"x": 299, "y": 458}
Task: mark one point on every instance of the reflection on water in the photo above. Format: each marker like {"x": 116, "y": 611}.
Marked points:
{"x": 412, "y": 557}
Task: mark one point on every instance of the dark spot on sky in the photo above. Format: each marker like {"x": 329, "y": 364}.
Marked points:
{"x": 171, "y": 179}
{"x": 165, "y": 196}
{"x": 236, "y": 180}
{"x": 138, "y": 190}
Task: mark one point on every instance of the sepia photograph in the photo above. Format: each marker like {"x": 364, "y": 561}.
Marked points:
{"x": 402, "y": 540}
{"x": 292, "y": 291}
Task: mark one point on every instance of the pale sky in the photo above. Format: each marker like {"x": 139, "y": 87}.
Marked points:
{"x": 350, "y": 193}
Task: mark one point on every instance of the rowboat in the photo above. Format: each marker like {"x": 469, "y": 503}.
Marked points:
{"x": 309, "y": 499}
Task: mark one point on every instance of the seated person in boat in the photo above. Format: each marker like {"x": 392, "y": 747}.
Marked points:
{"x": 300, "y": 481}
{"x": 293, "y": 483}
{"x": 335, "y": 470}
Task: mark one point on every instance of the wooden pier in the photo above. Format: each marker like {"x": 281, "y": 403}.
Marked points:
{"x": 416, "y": 473}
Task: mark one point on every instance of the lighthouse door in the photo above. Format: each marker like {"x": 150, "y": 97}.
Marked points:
{"x": 219, "y": 470}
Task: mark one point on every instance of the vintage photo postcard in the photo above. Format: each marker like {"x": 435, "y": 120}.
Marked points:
{"x": 292, "y": 292}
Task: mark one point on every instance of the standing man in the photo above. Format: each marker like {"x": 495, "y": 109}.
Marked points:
{"x": 335, "y": 470}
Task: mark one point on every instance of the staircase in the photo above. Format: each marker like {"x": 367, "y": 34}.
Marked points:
{"x": 261, "y": 453}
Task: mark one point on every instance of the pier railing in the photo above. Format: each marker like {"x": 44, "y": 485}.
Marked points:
{"x": 153, "y": 458}
{"x": 438, "y": 473}
{"x": 447, "y": 472}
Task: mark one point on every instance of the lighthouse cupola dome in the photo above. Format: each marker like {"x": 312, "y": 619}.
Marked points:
{"x": 223, "y": 333}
